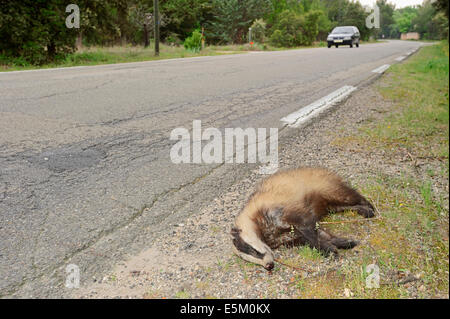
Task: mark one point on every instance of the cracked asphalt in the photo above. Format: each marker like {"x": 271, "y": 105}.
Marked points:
{"x": 85, "y": 170}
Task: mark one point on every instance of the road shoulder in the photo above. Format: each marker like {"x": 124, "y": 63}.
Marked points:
{"x": 194, "y": 259}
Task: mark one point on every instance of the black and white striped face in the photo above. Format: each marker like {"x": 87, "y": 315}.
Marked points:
{"x": 250, "y": 248}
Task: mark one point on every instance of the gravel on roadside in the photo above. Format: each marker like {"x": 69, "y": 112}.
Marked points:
{"x": 194, "y": 258}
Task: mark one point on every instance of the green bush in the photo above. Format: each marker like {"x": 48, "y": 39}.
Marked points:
{"x": 294, "y": 29}
{"x": 232, "y": 18}
{"x": 258, "y": 30}
{"x": 281, "y": 39}
{"x": 194, "y": 42}
{"x": 34, "y": 32}
{"x": 310, "y": 28}
{"x": 11, "y": 61}
{"x": 34, "y": 53}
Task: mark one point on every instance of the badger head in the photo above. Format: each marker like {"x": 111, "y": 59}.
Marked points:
{"x": 248, "y": 246}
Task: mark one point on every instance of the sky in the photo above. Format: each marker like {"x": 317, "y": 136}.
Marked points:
{"x": 398, "y": 3}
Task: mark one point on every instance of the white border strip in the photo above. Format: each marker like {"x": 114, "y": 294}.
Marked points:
{"x": 400, "y": 58}
{"x": 306, "y": 113}
{"x": 381, "y": 69}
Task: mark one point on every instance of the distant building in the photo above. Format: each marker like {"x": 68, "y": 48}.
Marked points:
{"x": 410, "y": 36}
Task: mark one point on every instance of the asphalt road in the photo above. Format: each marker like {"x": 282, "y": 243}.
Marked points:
{"x": 85, "y": 170}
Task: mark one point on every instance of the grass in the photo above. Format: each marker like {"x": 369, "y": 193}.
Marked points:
{"x": 182, "y": 295}
{"x": 412, "y": 236}
{"x": 420, "y": 90}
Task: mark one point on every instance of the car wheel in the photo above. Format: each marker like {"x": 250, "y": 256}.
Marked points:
{"x": 329, "y": 46}
{"x": 357, "y": 44}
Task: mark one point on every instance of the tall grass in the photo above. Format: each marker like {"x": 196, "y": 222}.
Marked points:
{"x": 420, "y": 89}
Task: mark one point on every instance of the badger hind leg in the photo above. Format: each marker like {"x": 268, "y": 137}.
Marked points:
{"x": 315, "y": 239}
{"x": 341, "y": 243}
{"x": 366, "y": 211}
{"x": 344, "y": 243}
{"x": 350, "y": 199}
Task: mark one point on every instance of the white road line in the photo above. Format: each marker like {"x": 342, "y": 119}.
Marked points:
{"x": 306, "y": 113}
{"x": 381, "y": 69}
{"x": 400, "y": 58}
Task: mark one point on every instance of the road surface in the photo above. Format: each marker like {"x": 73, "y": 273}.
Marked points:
{"x": 85, "y": 171}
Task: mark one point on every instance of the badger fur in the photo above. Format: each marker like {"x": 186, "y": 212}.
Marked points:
{"x": 285, "y": 210}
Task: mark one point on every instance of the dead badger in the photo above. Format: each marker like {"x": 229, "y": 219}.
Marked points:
{"x": 285, "y": 209}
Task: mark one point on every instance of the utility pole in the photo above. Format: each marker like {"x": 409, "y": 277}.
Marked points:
{"x": 203, "y": 38}
{"x": 146, "y": 41}
{"x": 156, "y": 17}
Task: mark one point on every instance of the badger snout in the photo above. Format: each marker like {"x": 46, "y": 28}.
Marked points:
{"x": 269, "y": 266}
{"x": 252, "y": 249}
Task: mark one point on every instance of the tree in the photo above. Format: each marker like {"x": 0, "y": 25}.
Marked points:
{"x": 386, "y": 17}
{"x": 98, "y": 23}
{"x": 294, "y": 29}
{"x": 324, "y": 24}
{"x": 441, "y": 5}
{"x": 356, "y": 15}
{"x": 279, "y": 6}
{"x": 345, "y": 12}
{"x": 428, "y": 24}
{"x": 336, "y": 10}
{"x": 35, "y": 30}
{"x": 403, "y": 19}
{"x": 183, "y": 16}
{"x": 140, "y": 17}
{"x": 122, "y": 21}
{"x": 233, "y": 18}
{"x": 259, "y": 30}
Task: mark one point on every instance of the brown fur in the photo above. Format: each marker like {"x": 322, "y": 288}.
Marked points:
{"x": 286, "y": 207}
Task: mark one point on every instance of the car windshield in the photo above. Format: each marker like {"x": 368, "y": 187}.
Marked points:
{"x": 348, "y": 30}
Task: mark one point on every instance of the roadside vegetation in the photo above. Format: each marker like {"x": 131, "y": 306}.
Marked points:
{"x": 409, "y": 243}
{"x": 122, "y": 54}
{"x": 96, "y": 55}
{"x": 34, "y": 33}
